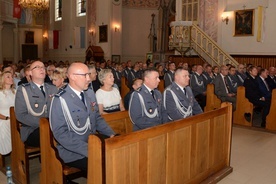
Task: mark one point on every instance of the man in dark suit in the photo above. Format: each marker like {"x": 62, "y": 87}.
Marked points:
{"x": 254, "y": 95}
{"x": 178, "y": 98}
{"x": 271, "y": 79}
{"x": 74, "y": 116}
{"x": 223, "y": 88}
{"x": 263, "y": 86}
{"x": 145, "y": 105}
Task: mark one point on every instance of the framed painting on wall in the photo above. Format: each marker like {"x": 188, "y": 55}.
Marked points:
{"x": 29, "y": 37}
{"x": 103, "y": 33}
{"x": 116, "y": 58}
{"x": 244, "y": 22}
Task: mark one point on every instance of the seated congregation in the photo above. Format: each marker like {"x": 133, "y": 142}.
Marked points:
{"x": 81, "y": 100}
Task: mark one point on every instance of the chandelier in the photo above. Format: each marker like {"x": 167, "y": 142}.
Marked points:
{"x": 37, "y": 6}
{"x": 180, "y": 38}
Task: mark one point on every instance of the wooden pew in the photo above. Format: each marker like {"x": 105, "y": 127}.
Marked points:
{"x": 271, "y": 117}
{"x": 191, "y": 150}
{"x": 161, "y": 86}
{"x": 124, "y": 88}
{"x": 53, "y": 170}
{"x": 119, "y": 122}
{"x": 20, "y": 154}
{"x": 2, "y": 163}
{"x": 242, "y": 106}
{"x": 212, "y": 101}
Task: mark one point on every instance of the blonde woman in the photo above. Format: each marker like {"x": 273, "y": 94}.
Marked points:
{"x": 108, "y": 97}
{"x": 7, "y": 97}
{"x": 58, "y": 78}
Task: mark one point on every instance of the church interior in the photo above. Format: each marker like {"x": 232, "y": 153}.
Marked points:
{"x": 217, "y": 32}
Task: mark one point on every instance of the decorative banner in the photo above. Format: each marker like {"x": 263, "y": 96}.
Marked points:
{"x": 261, "y": 24}
{"x": 56, "y": 39}
{"x": 16, "y": 9}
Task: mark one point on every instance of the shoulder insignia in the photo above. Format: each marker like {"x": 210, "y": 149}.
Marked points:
{"x": 139, "y": 89}
{"x": 60, "y": 92}
{"x": 25, "y": 84}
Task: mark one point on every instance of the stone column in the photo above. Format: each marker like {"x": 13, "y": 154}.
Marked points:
{"x": 1, "y": 40}
{"x": 15, "y": 44}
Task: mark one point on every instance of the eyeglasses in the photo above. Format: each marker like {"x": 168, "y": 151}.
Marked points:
{"x": 38, "y": 67}
{"x": 83, "y": 74}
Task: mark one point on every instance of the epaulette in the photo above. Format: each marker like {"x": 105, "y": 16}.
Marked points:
{"x": 139, "y": 89}
{"x": 60, "y": 92}
{"x": 25, "y": 84}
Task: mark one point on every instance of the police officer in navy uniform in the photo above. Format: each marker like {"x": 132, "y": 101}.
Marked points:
{"x": 145, "y": 105}
{"x": 178, "y": 98}
{"x": 74, "y": 116}
{"x": 32, "y": 101}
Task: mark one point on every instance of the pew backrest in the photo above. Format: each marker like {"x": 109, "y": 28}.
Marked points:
{"x": 20, "y": 153}
{"x": 53, "y": 169}
{"x": 124, "y": 88}
{"x": 185, "y": 151}
{"x": 212, "y": 101}
{"x": 243, "y": 107}
{"x": 119, "y": 122}
{"x": 271, "y": 117}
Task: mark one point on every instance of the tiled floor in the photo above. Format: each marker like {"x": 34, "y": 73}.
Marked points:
{"x": 252, "y": 158}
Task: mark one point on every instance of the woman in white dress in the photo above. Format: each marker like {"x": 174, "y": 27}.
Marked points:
{"x": 7, "y": 97}
{"x": 108, "y": 97}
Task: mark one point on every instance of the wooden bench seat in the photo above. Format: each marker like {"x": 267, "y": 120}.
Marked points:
{"x": 243, "y": 106}
{"x": 53, "y": 170}
{"x": 191, "y": 150}
{"x": 124, "y": 88}
{"x": 161, "y": 86}
{"x": 20, "y": 154}
{"x": 271, "y": 117}
{"x": 212, "y": 101}
{"x": 119, "y": 122}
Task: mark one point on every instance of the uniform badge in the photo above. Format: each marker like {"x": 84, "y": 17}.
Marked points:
{"x": 93, "y": 106}
{"x": 36, "y": 105}
{"x": 150, "y": 110}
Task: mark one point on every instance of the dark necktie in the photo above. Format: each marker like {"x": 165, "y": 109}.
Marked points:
{"x": 184, "y": 90}
{"x": 152, "y": 94}
{"x": 226, "y": 84}
{"x": 82, "y": 97}
{"x": 42, "y": 90}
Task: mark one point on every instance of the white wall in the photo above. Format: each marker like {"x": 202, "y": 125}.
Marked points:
{"x": 136, "y": 28}
{"x": 66, "y": 34}
{"x": 248, "y": 45}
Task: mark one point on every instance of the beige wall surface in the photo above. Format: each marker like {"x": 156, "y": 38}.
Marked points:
{"x": 136, "y": 28}
{"x": 248, "y": 45}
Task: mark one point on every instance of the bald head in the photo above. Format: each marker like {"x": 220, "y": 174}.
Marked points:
{"x": 79, "y": 76}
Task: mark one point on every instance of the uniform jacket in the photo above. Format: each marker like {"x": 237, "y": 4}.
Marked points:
{"x": 197, "y": 89}
{"x": 208, "y": 78}
{"x": 185, "y": 100}
{"x": 168, "y": 78}
{"x": 37, "y": 101}
{"x": 137, "y": 111}
{"x": 72, "y": 146}
{"x": 241, "y": 76}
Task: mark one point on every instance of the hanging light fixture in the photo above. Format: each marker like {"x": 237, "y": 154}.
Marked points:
{"x": 38, "y": 6}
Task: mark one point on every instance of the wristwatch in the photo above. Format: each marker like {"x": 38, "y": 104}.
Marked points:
{"x": 7, "y": 117}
